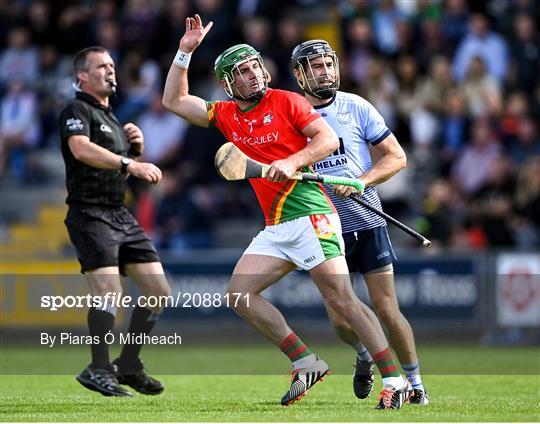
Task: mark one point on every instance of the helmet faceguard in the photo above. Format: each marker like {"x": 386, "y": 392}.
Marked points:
{"x": 236, "y": 86}
{"x": 321, "y": 86}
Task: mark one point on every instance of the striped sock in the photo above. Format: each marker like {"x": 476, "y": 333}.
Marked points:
{"x": 386, "y": 364}
{"x": 294, "y": 348}
{"x": 362, "y": 352}
{"x": 413, "y": 375}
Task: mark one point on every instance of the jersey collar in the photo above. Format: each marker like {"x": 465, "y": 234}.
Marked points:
{"x": 88, "y": 98}
{"x": 254, "y": 104}
{"x": 327, "y": 104}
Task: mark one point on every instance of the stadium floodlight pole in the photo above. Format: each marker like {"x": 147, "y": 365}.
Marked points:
{"x": 233, "y": 165}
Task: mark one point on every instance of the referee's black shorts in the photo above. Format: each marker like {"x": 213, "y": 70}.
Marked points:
{"x": 108, "y": 237}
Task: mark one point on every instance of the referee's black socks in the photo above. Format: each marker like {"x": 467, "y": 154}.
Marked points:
{"x": 142, "y": 322}
{"x": 100, "y": 322}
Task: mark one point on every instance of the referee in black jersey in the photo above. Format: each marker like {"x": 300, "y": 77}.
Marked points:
{"x": 99, "y": 154}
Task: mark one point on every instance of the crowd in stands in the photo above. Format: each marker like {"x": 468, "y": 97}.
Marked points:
{"x": 456, "y": 81}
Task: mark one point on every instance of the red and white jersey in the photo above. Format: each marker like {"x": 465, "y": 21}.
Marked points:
{"x": 269, "y": 131}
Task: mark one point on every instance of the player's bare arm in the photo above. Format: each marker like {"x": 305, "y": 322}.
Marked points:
{"x": 391, "y": 160}
{"x": 324, "y": 141}
{"x": 176, "y": 97}
{"x": 97, "y": 157}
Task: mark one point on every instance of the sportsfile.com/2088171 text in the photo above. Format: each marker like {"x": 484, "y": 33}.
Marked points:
{"x": 179, "y": 300}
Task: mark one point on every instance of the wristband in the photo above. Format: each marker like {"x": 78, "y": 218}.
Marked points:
{"x": 182, "y": 59}
{"x": 124, "y": 163}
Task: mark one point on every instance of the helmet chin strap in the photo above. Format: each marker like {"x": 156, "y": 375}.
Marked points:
{"x": 321, "y": 93}
{"x": 255, "y": 97}
{"x": 324, "y": 94}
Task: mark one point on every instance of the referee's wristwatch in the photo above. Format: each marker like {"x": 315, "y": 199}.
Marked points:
{"x": 124, "y": 163}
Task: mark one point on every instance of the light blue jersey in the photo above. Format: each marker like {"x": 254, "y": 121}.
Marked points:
{"x": 357, "y": 123}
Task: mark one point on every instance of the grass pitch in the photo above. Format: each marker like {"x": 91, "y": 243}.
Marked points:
{"x": 255, "y": 398}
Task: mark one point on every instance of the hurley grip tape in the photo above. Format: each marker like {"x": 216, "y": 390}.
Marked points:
{"x": 352, "y": 182}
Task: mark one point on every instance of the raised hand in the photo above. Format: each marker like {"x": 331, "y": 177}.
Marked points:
{"x": 195, "y": 33}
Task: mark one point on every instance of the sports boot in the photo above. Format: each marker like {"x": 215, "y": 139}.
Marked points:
{"x": 363, "y": 378}
{"x": 394, "y": 397}
{"x": 102, "y": 380}
{"x": 302, "y": 379}
{"x": 135, "y": 376}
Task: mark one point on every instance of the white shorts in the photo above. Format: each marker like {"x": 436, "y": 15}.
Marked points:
{"x": 306, "y": 241}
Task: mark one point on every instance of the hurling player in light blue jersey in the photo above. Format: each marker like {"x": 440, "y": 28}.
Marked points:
{"x": 368, "y": 249}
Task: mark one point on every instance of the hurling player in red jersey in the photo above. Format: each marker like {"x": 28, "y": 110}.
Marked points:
{"x": 302, "y": 229}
